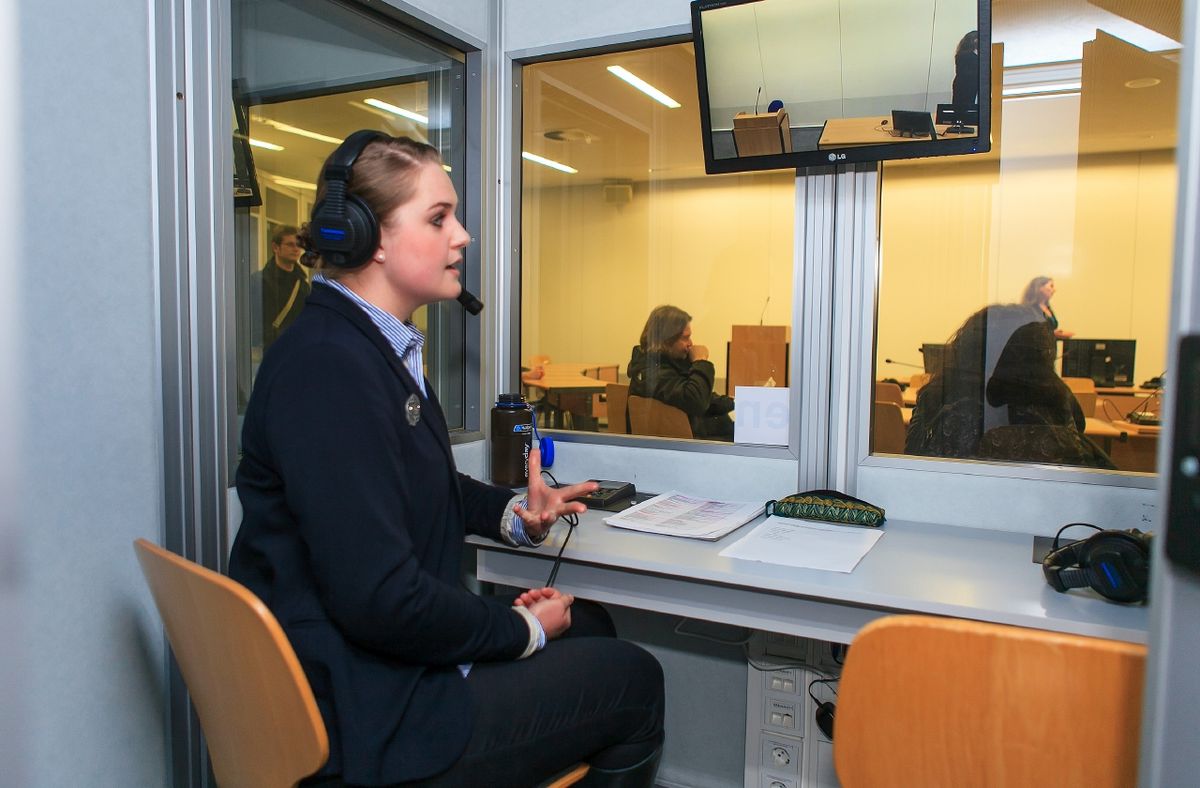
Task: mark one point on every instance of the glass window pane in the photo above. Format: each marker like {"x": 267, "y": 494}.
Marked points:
{"x": 1024, "y": 293}
{"x": 618, "y": 218}
{"x": 306, "y": 74}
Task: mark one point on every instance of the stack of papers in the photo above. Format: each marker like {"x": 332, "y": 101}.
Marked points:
{"x": 676, "y": 514}
{"x": 806, "y": 544}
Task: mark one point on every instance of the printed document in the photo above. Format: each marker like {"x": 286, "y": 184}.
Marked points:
{"x": 676, "y": 514}
{"x": 805, "y": 544}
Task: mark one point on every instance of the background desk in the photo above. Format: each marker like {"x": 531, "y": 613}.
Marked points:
{"x": 839, "y": 132}
{"x": 914, "y": 568}
{"x": 569, "y": 391}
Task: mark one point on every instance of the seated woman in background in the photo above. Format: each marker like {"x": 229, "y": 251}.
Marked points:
{"x": 998, "y": 397}
{"x": 1037, "y": 294}
{"x": 1045, "y": 422}
{"x": 666, "y": 366}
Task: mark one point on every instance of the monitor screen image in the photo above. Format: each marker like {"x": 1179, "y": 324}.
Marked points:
{"x": 801, "y": 83}
{"x": 1108, "y": 362}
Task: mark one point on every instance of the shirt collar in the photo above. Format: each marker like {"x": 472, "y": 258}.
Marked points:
{"x": 401, "y": 335}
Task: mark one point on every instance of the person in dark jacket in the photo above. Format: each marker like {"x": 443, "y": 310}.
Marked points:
{"x": 964, "y": 91}
{"x": 283, "y": 284}
{"x": 998, "y": 397}
{"x": 353, "y": 526}
{"x": 667, "y": 366}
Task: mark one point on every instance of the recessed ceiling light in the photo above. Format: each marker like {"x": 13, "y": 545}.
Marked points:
{"x": 551, "y": 163}
{"x": 294, "y": 183}
{"x": 1043, "y": 88}
{"x": 265, "y": 145}
{"x": 644, "y": 86}
{"x": 1143, "y": 82}
{"x": 392, "y": 108}
{"x": 312, "y": 135}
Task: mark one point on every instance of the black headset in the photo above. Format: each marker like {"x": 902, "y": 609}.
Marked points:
{"x": 1115, "y": 564}
{"x": 344, "y": 230}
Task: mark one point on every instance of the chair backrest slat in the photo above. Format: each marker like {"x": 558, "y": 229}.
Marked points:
{"x": 254, "y": 702}
{"x": 946, "y": 702}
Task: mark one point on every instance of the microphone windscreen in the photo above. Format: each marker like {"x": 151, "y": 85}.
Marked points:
{"x": 470, "y": 302}
{"x": 775, "y": 106}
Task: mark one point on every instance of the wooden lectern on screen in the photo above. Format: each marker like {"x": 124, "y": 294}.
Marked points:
{"x": 757, "y": 356}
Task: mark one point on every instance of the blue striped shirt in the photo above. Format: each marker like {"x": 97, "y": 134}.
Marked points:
{"x": 406, "y": 339}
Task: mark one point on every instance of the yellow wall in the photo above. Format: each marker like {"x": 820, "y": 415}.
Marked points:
{"x": 716, "y": 247}
{"x": 955, "y": 234}
{"x": 958, "y": 235}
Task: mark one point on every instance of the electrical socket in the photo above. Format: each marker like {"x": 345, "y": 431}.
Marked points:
{"x": 777, "y": 781}
{"x": 780, "y": 754}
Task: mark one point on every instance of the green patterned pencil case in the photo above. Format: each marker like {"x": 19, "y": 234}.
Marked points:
{"x": 828, "y": 505}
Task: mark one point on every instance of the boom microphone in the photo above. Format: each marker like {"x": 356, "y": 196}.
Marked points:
{"x": 470, "y": 302}
{"x": 902, "y": 363}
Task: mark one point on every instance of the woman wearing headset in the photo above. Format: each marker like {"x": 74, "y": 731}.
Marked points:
{"x": 354, "y": 522}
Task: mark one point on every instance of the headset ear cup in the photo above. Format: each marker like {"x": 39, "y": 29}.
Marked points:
{"x": 1054, "y": 562}
{"x": 1119, "y": 564}
{"x": 546, "y": 447}
{"x": 364, "y": 231}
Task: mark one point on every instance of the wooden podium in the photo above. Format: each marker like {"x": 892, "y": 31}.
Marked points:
{"x": 763, "y": 134}
{"x": 756, "y": 355}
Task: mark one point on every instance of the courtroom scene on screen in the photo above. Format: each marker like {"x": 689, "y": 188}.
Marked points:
{"x": 827, "y": 81}
{"x": 1023, "y": 293}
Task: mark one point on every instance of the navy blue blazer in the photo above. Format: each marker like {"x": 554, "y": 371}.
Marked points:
{"x": 352, "y": 534}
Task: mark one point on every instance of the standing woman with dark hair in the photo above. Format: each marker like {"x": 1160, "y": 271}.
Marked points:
{"x": 353, "y": 527}
{"x": 667, "y": 366}
{"x": 964, "y": 90}
{"x": 1037, "y": 294}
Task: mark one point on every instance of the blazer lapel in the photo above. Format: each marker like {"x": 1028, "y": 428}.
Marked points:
{"x": 432, "y": 418}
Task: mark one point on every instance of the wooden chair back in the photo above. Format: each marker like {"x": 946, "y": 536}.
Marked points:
{"x": 946, "y": 702}
{"x": 254, "y": 702}
{"x": 918, "y": 380}
{"x": 1084, "y": 390}
{"x": 617, "y": 395}
{"x": 648, "y": 416}
{"x": 890, "y": 432}
{"x": 889, "y": 392}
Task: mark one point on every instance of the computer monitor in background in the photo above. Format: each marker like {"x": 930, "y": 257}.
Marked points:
{"x": 1108, "y": 362}
{"x": 932, "y": 357}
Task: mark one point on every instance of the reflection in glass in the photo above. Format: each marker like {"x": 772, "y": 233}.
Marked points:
{"x": 308, "y": 74}
{"x": 628, "y": 222}
{"x": 1070, "y": 216}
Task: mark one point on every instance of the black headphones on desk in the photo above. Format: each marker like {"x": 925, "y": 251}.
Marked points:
{"x": 1115, "y": 564}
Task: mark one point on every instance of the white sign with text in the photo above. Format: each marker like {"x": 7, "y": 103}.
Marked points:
{"x": 761, "y": 416}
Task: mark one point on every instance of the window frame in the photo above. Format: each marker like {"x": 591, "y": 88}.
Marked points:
{"x": 508, "y": 371}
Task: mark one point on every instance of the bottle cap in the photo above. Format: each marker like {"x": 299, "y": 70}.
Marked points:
{"x": 511, "y": 401}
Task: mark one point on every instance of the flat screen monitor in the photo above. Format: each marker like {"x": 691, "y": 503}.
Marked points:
{"x": 1108, "y": 362}
{"x": 800, "y": 83}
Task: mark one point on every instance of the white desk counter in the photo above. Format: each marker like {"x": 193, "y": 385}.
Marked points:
{"x": 914, "y": 568}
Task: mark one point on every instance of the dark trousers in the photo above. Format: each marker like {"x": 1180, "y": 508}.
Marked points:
{"x": 585, "y": 697}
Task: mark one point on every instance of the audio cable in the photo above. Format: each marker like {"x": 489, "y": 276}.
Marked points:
{"x": 572, "y": 520}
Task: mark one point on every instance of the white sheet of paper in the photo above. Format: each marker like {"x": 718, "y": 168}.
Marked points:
{"x": 761, "y": 415}
{"x": 805, "y": 544}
